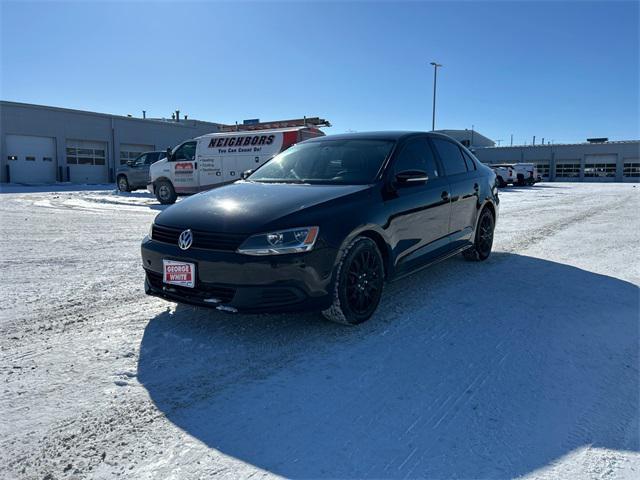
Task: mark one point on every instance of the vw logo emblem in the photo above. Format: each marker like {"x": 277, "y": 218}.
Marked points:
{"x": 185, "y": 240}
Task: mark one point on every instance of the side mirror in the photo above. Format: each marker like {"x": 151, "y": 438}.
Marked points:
{"x": 244, "y": 175}
{"x": 409, "y": 177}
{"x": 168, "y": 154}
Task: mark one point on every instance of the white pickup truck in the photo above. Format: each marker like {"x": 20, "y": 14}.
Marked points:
{"x": 515, "y": 174}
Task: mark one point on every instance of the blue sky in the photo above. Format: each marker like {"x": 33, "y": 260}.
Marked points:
{"x": 559, "y": 70}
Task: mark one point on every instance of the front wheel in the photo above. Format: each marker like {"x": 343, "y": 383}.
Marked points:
{"x": 483, "y": 241}
{"x": 359, "y": 283}
{"x": 123, "y": 184}
{"x": 165, "y": 193}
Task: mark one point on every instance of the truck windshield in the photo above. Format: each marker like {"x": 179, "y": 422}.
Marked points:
{"x": 349, "y": 162}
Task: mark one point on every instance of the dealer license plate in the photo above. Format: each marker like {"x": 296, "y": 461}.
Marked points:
{"x": 179, "y": 273}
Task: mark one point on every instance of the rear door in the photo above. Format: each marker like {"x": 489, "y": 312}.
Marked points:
{"x": 419, "y": 213}
{"x": 462, "y": 175}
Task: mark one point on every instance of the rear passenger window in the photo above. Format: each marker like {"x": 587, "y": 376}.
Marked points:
{"x": 417, "y": 155}
{"x": 471, "y": 165}
{"x": 451, "y": 156}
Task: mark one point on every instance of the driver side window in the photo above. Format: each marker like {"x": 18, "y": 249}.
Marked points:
{"x": 417, "y": 155}
{"x": 186, "y": 151}
{"x": 140, "y": 161}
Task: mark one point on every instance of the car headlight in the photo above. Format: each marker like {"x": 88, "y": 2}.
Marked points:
{"x": 294, "y": 240}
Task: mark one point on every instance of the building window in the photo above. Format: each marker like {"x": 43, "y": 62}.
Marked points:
{"x": 571, "y": 170}
{"x": 600, "y": 170}
{"x": 12, "y": 157}
{"x": 131, "y": 151}
{"x": 631, "y": 169}
{"x": 85, "y": 156}
{"x": 543, "y": 169}
{"x": 30, "y": 159}
{"x": 125, "y": 156}
{"x": 47, "y": 159}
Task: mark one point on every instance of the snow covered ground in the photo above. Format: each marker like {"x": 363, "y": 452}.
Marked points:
{"x": 525, "y": 365}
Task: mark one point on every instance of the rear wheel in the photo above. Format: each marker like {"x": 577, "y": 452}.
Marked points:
{"x": 483, "y": 241}
{"x": 165, "y": 193}
{"x": 123, "y": 184}
{"x": 359, "y": 283}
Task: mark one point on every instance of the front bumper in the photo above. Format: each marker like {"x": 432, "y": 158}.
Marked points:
{"x": 234, "y": 282}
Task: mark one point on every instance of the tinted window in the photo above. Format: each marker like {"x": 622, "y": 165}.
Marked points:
{"x": 451, "y": 156}
{"x": 351, "y": 162}
{"x": 152, "y": 157}
{"x": 186, "y": 151}
{"x": 417, "y": 155}
{"x": 471, "y": 165}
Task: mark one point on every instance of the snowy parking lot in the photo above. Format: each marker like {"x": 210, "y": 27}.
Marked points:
{"x": 524, "y": 365}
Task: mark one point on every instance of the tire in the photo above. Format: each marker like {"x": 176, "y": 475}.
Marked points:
{"x": 358, "y": 285}
{"x": 123, "y": 184}
{"x": 165, "y": 193}
{"x": 501, "y": 182}
{"x": 483, "y": 241}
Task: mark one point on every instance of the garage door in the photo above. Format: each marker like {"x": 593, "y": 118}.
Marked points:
{"x": 600, "y": 168}
{"x": 631, "y": 170}
{"x": 31, "y": 159}
{"x": 129, "y": 151}
{"x": 87, "y": 161}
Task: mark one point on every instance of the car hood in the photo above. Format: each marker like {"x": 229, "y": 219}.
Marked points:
{"x": 249, "y": 207}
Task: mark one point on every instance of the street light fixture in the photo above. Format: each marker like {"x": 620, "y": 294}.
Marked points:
{"x": 435, "y": 78}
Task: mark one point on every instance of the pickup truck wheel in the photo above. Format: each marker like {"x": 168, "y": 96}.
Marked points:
{"x": 501, "y": 182}
{"x": 165, "y": 193}
{"x": 483, "y": 241}
{"x": 359, "y": 283}
{"x": 123, "y": 184}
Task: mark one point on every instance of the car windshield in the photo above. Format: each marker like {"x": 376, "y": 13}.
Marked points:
{"x": 349, "y": 162}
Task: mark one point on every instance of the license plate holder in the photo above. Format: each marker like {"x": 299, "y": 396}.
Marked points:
{"x": 182, "y": 274}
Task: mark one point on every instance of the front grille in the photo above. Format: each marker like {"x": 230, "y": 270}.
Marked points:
{"x": 201, "y": 291}
{"x": 201, "y": 239}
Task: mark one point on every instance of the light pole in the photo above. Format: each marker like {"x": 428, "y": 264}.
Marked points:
{"x": 435, "y": 78}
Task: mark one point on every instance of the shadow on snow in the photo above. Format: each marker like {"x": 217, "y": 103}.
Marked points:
{"x": 467, "y": 370}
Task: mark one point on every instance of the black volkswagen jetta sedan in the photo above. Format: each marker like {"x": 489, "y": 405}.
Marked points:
{"x": 323, "y": 225}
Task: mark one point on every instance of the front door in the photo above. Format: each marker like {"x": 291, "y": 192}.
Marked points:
{"x": 419, "y": 212}
{"x": 138, "y": 171}
{"x": 184, "y": 168}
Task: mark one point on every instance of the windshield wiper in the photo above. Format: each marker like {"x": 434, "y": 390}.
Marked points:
{"x": 283, "y": 180}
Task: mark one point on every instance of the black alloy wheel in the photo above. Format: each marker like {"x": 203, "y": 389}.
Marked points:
{"x": 484, "y": 237}
{"x": 359, "y": 283}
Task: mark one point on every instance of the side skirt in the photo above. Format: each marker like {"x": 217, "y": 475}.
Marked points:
{"x": 447, "y": 255}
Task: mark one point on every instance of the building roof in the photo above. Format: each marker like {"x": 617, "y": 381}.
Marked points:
{"x": 188, "y": 122}
{"x": 503, "y": 147}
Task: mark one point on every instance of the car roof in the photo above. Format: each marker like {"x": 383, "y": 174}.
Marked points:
{"x": 393, "y": 135}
